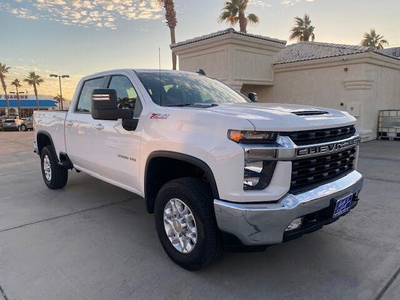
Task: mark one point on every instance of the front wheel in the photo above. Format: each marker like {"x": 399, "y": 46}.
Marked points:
{"x": 54, "y": 176}
{"x": 186, "y": 225}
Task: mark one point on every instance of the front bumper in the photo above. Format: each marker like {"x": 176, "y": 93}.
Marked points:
{"x": 265, "y": 224}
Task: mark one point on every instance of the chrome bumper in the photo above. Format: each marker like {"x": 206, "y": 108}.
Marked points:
{"x": 265, "y": 224}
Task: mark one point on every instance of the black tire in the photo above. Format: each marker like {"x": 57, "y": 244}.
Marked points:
{"x": 23, "y": 127}
{"x": 57, "y": 177}
{"x": 196, "y": 195}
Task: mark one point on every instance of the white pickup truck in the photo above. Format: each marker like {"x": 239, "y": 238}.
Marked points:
{"x": 214, "y": 167}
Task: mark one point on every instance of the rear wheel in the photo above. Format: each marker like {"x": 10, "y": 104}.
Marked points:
{"x": 186, "y": 225}
{"x": 54, "y": 176}
{"x": 23, "y": 127}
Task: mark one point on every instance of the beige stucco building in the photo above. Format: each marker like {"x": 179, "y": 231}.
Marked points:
{"x": 357, "y": 79}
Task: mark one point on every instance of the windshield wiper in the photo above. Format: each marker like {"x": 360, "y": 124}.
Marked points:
{"x": 178, "y": 105}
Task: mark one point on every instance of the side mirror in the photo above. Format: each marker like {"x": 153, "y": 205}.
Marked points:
{"x": 130, "y": 125}
{"x": 104, "y": 106}
{"x": 253, "y": 97}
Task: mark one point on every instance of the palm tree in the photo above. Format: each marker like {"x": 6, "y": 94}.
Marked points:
{"x": 170, "y": 17}
{"x": 17, "y": 85}
{"x": 302, "y": 30}
{"x": 372, "y": 39}
{"x": 59, "y": 99}
{"x": 234, "y": 12}
{"x": 3, "y": 70}
{"x": 34, "y": 80}
{"x": 126, "y": 103}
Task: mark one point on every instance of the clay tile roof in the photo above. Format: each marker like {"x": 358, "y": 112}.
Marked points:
{"x": 393, "y": 52}
{"x": 303, "y": 51}
{"x": 224, "y": 32}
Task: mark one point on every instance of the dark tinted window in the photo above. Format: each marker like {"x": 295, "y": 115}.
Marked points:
{"x": 178, "y": 88}
{"x": 85, "y": 98}
{"x": 126, "y": 94}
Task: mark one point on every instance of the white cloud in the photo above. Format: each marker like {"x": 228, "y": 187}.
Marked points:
{"x": 270, "y": 3}
{"x": 96, "y": 13}
{"x": 289, "y": 2}
{"x": 260, "y": 3}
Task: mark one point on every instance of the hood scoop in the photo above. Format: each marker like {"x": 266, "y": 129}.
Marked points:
{"x": 310, "y": 113}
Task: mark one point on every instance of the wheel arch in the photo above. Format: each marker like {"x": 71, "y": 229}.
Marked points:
{"x": 43, "y": 139}
{"x": 184, "y": 165}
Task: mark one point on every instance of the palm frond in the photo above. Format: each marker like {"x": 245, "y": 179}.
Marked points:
{"x": 252, "y": 18}
{"x": 302, "y": 30}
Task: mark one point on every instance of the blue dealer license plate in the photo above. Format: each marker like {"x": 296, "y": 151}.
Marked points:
{"x": 342, "y": 206}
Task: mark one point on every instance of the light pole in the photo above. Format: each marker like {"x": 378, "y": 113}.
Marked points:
{"x": 59, "y": 80}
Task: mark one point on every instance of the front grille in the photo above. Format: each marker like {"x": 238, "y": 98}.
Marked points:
{"x": 321, "y": 135}
{"x": 316, "y": 170}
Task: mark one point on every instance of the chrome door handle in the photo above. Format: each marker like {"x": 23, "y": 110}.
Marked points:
{"x": 98, "y": 127}
{"x": 69, "y": 123}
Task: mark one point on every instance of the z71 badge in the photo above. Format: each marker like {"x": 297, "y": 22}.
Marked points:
{"x": 159, "y": 116}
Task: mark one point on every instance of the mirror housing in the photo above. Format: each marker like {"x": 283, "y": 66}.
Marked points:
{"x": 130, "y": 124}
{"x": 253, "y": 97}
{"x": 104, "y": 106}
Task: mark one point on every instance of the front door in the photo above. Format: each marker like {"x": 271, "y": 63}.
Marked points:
{"x": 120, "y": 148}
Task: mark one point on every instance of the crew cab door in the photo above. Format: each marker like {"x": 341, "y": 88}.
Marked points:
{"x": 79, "y": 128}
{"x": 119, "y": 147}
{"x": 109, "y": 151}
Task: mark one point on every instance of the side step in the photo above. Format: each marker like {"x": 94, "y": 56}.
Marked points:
{"x": 65, "y": 162}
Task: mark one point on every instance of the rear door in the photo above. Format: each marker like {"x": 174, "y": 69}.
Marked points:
{"x": 79, "y": 129}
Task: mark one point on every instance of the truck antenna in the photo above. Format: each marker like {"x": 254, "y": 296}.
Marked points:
{"x": 159, "y": 58}
{"x": 159, "y": 74}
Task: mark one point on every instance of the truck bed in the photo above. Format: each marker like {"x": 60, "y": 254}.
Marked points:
{"x": 52, "y": 122}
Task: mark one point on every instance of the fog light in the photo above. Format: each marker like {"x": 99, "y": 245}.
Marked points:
{"x": 295, "y": 224}
{"x": 255, "y": 166}
{"x": 251, "y": 181}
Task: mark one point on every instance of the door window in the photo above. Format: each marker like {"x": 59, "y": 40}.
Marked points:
{"x": 126, "y": 94}
{"x": 85, "y": 98}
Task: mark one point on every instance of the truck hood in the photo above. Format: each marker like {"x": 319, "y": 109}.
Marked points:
{"x": 285, "y": 117}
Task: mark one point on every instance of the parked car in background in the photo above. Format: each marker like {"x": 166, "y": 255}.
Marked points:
{"x": 2, "y": 119}
{"x": 10, "y": 124}
{"x": 26, "y": 124}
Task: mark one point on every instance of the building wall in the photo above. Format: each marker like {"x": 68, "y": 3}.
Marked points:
{"x": 26, "y": 111}
{"x": 213, "y": 61}
{"x": 322, "y": 86}
{"x": 360, "y": 87}
{"x": 385, "y": 94}
{"x": 232, "y": 58}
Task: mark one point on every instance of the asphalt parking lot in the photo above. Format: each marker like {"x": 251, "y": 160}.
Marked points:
{"x": 91, "y": 240}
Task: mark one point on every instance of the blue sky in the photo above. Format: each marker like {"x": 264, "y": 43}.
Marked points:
{"x": 80, "y": 37}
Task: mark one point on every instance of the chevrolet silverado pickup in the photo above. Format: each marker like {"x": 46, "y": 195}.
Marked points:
{"x": 215, "y": 168}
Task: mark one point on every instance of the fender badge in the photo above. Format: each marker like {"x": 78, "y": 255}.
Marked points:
{"x": 159, "y": 116}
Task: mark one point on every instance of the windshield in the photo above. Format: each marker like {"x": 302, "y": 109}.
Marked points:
{"x": 181, "y": 89}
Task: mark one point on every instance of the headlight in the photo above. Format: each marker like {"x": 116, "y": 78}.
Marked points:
{"x": 259, "y": 159}
{"x": 258, "y": 137}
